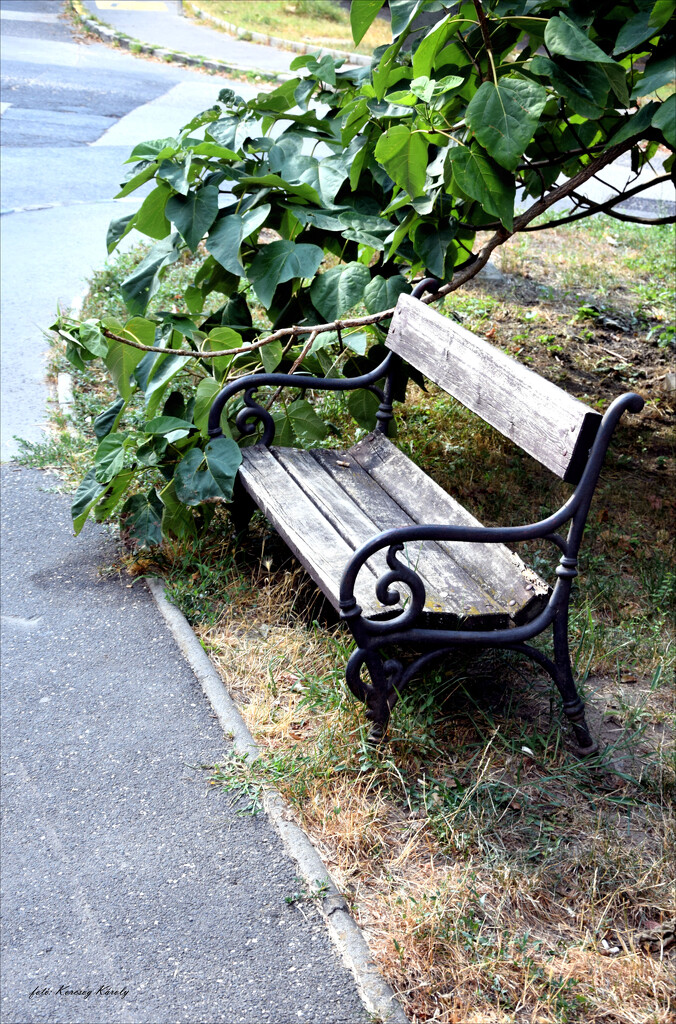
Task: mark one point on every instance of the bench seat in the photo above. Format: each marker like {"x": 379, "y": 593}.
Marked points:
{"x": 326, "y": 503}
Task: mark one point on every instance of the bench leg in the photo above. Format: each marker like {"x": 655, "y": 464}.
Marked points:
{"x": 573, "y": 705}
{"x": 242, "y": 508}
{"x": 381, "y": 694}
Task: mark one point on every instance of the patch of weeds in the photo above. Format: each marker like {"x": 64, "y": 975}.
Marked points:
{"x": 304, "y": 894}
{"x": 63, "y": 452}
{"x": 237, "y": 776}
{"x": 203, "y": 579}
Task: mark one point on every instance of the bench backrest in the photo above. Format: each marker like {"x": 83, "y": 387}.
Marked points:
{"x": 537, "y": 415}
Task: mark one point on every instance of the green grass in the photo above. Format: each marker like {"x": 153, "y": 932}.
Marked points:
{"x": 318, "y": 23}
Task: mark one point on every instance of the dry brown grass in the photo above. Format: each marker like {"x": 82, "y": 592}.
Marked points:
{"x": 493, "y": 885}
{"x": 496, "y": 878}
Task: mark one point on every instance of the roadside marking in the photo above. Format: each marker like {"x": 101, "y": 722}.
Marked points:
{"x": 3, "y": 108}
{"x": 131, "y": 5}
{"x": 9, "y": 15}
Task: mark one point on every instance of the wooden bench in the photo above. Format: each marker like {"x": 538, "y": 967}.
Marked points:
{"x": 406, "y": 565}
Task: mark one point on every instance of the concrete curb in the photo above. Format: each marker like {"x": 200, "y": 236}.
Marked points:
{"x": 110, "y": 35}
{"x": 282, "y": 44}
{"x": 347, "y": 936}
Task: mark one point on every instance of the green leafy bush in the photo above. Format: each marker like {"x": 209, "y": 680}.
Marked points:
{"x": 315, "y": 205}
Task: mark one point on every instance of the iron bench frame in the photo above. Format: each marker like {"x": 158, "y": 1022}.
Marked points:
{"x": 388, "y": 676}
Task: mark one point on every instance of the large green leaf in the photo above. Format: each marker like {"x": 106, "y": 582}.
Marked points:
{"x": 117, "y": 229}
{"x": 664, "y": 118}
{"x": 137, "y": 180}
{"x": 138, "y": 289}
{"x": 194, "y": 214}
{"x": 504, "y": 117}
{"x": 113, "y": 495}
{"x": 307, "y": 426}
{"x": 363, "y": 406}
{"x": 121, "y": 361}
{"x": 657, "y": 74}
{"x": 213, "y": 149}
{"x": 585, "y": 86}
{"x": 282, "y": 261}
{"x": 207, "y": 390}
{"x": 141, "y": 519}
{"x": 92, "y": 340}
{"x": 171, "y": 427}
{"x": 636, "y": 31}
{"x": 636, "y": 124}
{"x": 176, "y": 173}
{"x": 402, "y": 13}
{"x": 109, "y": 418}
{"x": 225, "y": 238}
{"x": 284, "y": 435}
{"x": 662, "y": 12}
{"x": 271, "y": 356}
{"x": 203, "y": 476}
{"x": 224, "y": 241}
{"x": 109, "y": 458}
{"x": 177, "y": 520}
{"x": 339, "y": 289}
{"x": 152, "y": 148}
{"x": 423, "y": 58}
{"x": 86, "y": 496}
{"x": 403, "y": 154}
{"x": 563, "y": 36}
{"x": 383, "y": 292}
{"x": 219, "y": 339}
{"x": 431, "y": 242}
{"x": 300, "y": 190}
{"x": 150, "y": 218}
{"x": 364, "y": 228}
{"x": 164, "y": 369}
{"x": 481, "y": 179}
{"x": 362, "y": 16}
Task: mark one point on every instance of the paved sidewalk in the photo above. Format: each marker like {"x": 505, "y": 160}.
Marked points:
{"x": 165, "y": 27}
{"x": 125, "y": 874}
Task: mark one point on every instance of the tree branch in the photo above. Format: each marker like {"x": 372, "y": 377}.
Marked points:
{"x": 607, "y": 207}
{"x": 467, "y": 271}
{"x": 485, "y": 32}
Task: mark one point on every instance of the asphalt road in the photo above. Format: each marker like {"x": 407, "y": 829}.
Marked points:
{"x": 70, "y": 116}
{"x": 131, "y": 890}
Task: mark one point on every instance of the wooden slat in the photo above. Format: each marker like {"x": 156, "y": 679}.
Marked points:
{"x": 311, "y": 538}
{"x": 500, "y": 573}
{"x": 332, "y": 502}
{"x": 450, "y": 590}
{"x": 549, "y": 424}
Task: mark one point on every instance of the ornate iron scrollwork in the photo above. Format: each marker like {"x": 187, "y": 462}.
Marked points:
{"x": 399, "y": 573}
{"x": 251, "y": 414}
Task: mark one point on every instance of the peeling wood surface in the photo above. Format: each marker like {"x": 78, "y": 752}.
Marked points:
{"x": 326, "y": 504}
{"x": 549, "y": 424}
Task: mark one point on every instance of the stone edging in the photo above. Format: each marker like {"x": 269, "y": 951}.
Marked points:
{"x": 111, "y": 35}
{"x": 247, "y": 35}
{"x": 377, "y": 995}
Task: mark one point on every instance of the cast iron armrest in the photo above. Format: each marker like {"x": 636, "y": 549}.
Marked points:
{"x": 252, "y": 411}
{"x": 574, "y": 510}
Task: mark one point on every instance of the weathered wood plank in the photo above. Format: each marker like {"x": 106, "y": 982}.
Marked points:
{"x": 549, "y": 424}
{"x": 316, "y": 544}
{"x": 451, "y": 591}
{"x": 334, "y": 505}
{"x": 499, "y": 573}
